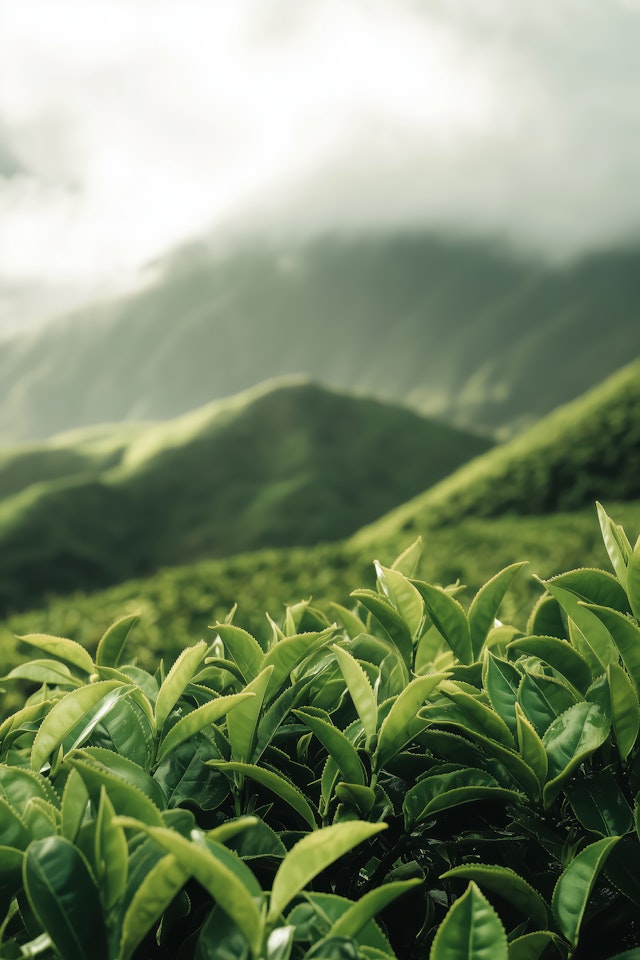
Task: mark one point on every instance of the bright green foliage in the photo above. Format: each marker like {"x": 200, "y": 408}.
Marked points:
{"x": 272, "y": 800}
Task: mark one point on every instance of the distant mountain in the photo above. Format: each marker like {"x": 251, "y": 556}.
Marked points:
{"x": 453, "y": 329}
{"x": 585, "y": 451}
{"x": 287, "y": 464}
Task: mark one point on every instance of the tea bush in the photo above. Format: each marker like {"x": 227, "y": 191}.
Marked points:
{"x": 412, "y": 780}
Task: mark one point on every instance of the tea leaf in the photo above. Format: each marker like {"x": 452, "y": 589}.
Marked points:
{"x": 313, "y": 854}
{"x": 68, "y": 713}
{"x": 360, "y": 689}
{"x": 471, "y": 930}
{"x": 64, "y": 897}
{"x": 113, "y": 640}
{"x": 198, "y": 719}
{"x": 485, "y": 606}
{"x": 181, "y": 673}
{"x": 573, "y": 889}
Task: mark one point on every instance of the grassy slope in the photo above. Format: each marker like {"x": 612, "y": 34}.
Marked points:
{"x": 177, "y": 604}
{"x": 286, "y": 464}
{"x": 456, "y": 329}
{"x": 586, "y": 450}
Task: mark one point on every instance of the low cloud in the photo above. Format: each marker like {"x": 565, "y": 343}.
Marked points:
{"x": 128, "y": 126}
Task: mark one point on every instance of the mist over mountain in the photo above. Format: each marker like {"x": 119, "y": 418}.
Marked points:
{"x": 463, "y": 331}
{"x": 127, "y": 135}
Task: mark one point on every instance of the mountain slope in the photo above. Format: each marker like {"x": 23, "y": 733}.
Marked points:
{"x": 289, "y": 463}
{"x": 584, "y": 451}
{"x": 454, "y": 329}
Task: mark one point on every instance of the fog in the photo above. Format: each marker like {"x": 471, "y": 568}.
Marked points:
{"x": 129, "y": 126}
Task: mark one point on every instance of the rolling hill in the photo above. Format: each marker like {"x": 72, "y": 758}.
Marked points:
{"x": 586, "y": 450}
{"x": 489, "y": 513}
{"x": 285, "y": 464}
{"x": 458, "y": 330}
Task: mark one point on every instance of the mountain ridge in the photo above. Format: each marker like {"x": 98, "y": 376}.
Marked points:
{"x": 457, "y": 330}
{"x": 284, "y": 464}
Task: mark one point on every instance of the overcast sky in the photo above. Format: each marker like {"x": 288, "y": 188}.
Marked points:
{"x": 129, "y": 126}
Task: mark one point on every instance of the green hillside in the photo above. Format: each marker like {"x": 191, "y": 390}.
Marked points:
{"x": 286, "y": 464}
{"x": 176, "y": 605}
{"x": 457, "y": 330}
{"x": 586, "y": 450}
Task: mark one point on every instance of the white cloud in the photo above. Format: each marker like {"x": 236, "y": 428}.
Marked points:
{"x": 134, "y": 124}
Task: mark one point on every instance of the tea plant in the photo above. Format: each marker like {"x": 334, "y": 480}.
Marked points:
{"x": 413, "y": 780}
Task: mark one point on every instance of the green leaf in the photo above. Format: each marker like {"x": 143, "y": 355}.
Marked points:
{"x": 52, "y": 672}
{"x": 219, "y": 880}
{"x": 314, "y": 917}
{"x": 337, "y": 745}
{"x": 486, "y": 605}
{"x": 531, "y": 946}
{"x": 152, "y": 897}
{"x": 442, "y": 791}
{"x": 594, "y": 586}
{"x": 274, "y": 782}
{"x": 61, "y": 648}
{"x": 512, "y": 761}
{"x": 449, "y": 619}
{"x": 559, "y": 654}
{"x": 402, "y": 594}
{"x": 68, "y": 713}
{"x": 471, "y": 930}
{"x": 543, "y": 699}
{"x": 74, "y": 805}
{"x": 618, "y": 554}
{"x": 398, "y": 727}
{"x": 360, "y": 913}
{"x": 287, "y": 654}
{"x": 595, "y": 641}
{"x": 633, "y": 580}
{"x": 113, "y": 640}
{"x": 231, "y": 828}
{"x": 65, "y": 899}
{"x": 501, "y": 681}
{"x": 573, "y": 889}
{"x": 393, "y": 626}
{"x": 356, "y": 795}
{"x": 599, "y": 805}
{"x": 126, "y": 799}
{"x": 350, "y": 621}
{"x": 569, "y": 741}
{"x": 127, "y": 730}
{"x": 198, "y": 719}
{"x": 244, "y": 649}
{"x": 531, "y": 747}
{"x": 242, "y": 722}
{"x": 19, "y": 784}
{"x": 360, "y": 689}
{"x": 181, "y": 674}
{"x": 479, "y": 716}
{"x": 508, "y": 884}
{"x": 280, "y": 942}
{"x": 110, "y": 853}
{"x": 626, "y": 636}
{"x": 313, "y": 854}
{"x": 41, "y": 818}
{"x": 625, "y": 711}
{"x": 13, "y": 830}
{"x": 407, "y": 562}
{"x": 126, "y": 769}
